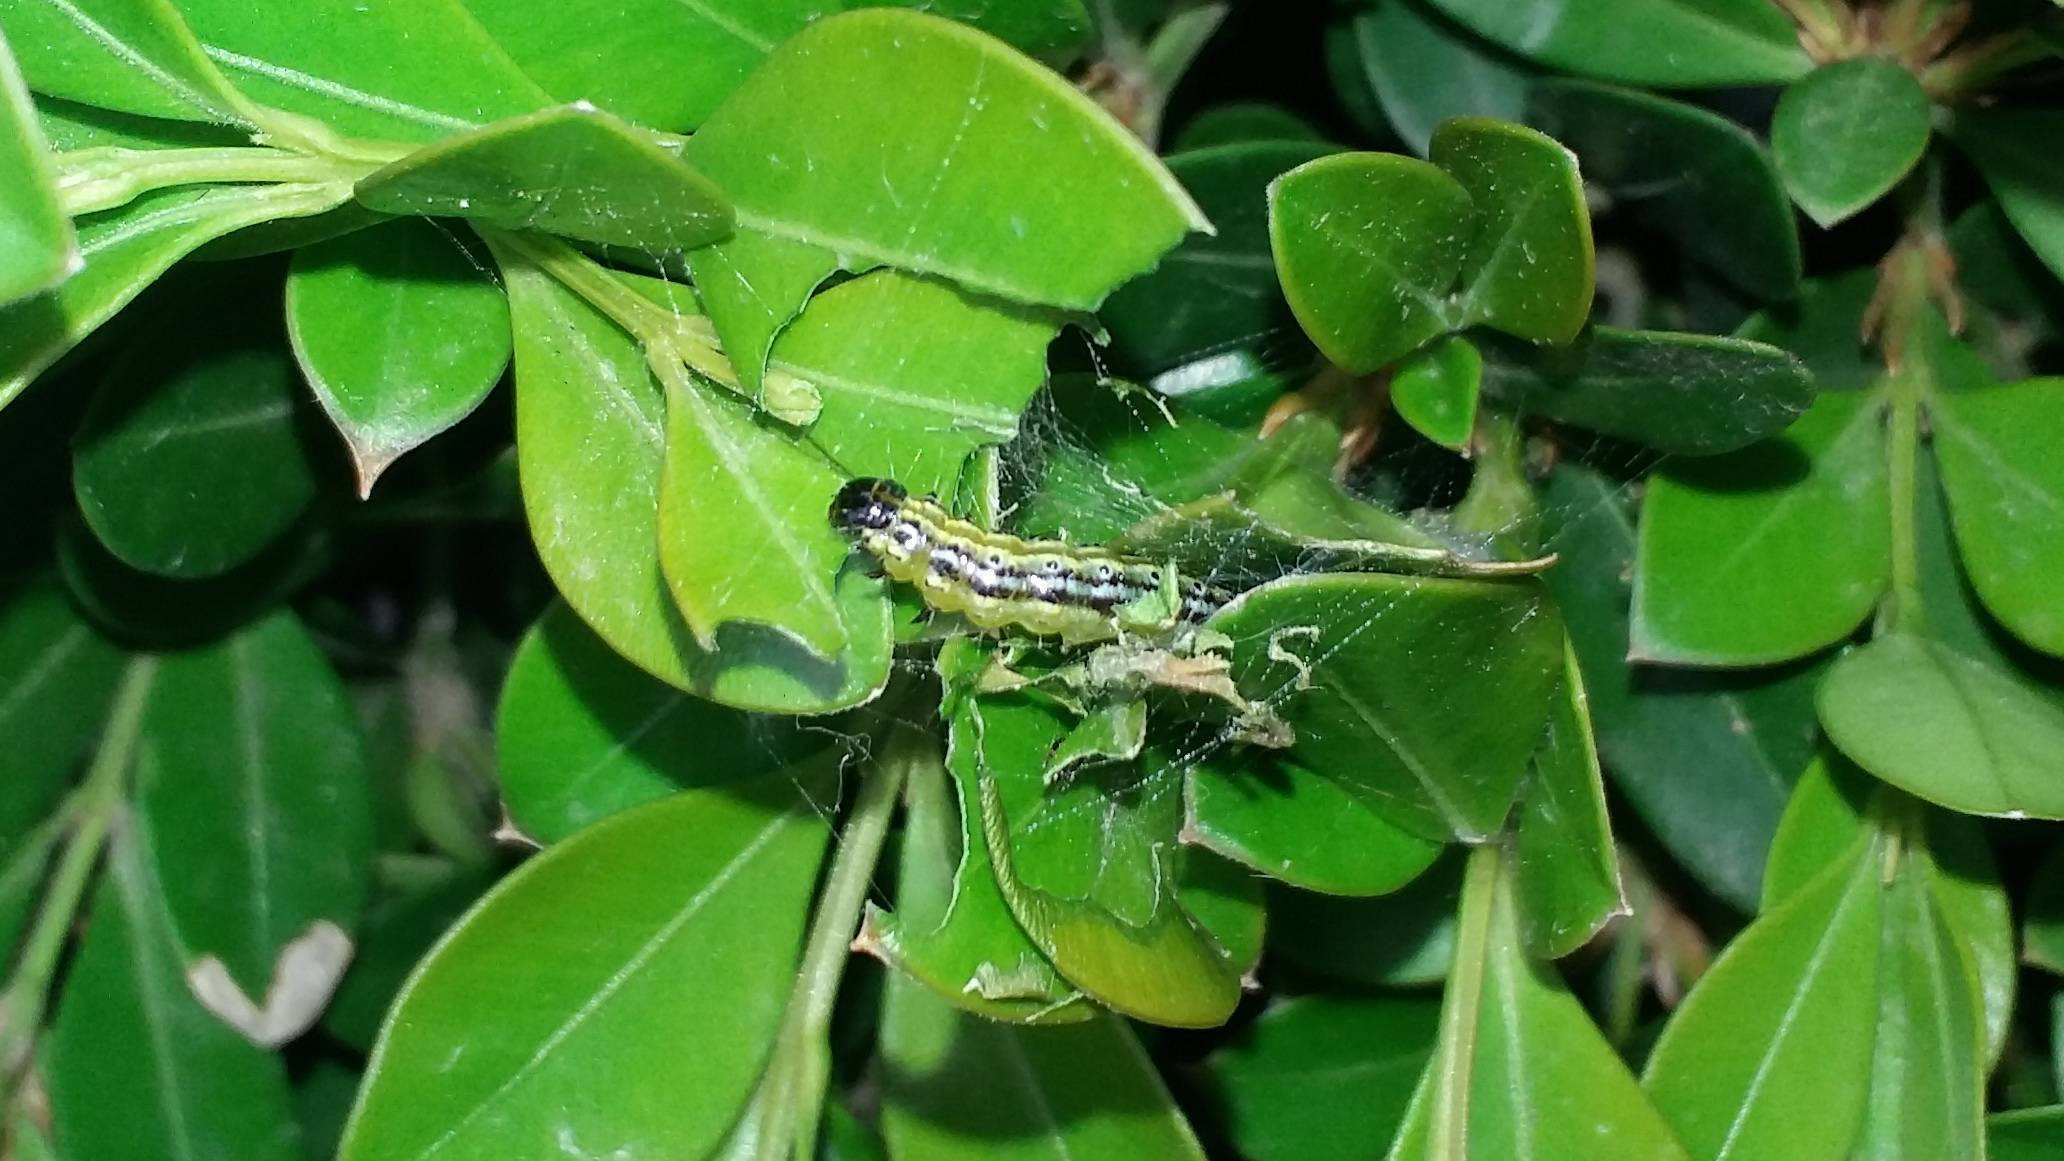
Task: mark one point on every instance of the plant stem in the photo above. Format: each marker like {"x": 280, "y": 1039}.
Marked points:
{"x": 91, "y": 180}
{"x": 1461, "y": 1007}
{"x": 790, "y": 1101}
{"x": 27, "y": 996}
{"x": 1903, "y": 611}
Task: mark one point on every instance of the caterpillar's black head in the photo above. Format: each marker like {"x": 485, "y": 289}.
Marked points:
{"x": 866, "y": 503}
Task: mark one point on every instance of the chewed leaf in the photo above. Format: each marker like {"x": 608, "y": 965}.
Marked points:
{"x": 307, "y": 973}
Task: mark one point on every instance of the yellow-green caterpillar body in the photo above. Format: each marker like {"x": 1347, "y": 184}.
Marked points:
{"x": 997, "y": 581}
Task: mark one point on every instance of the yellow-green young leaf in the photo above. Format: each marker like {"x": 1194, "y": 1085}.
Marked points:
{"x": 1947, "y": 727}
{"x": 1405, "y": 740}
{"x": 1519, "y": 1060}
{"x": 1846, "y": 133}
{"x": 135, "y": 56}
{"x": 1528, "y": 268}
{"x": 2015, "y": 150}
{"x": 399, "y": 333}
{"x": 581, "y": 733}
{"x": 591, "y": 439}
{"x": 1367, "y": 246}
{"x": 1771, "y": 1053}
{"x": 258, "y": 810}
{"x": 1324, "y": 1077}
{"x": 2002, "y": 458}
{"x": 1435, "y": 390}
{"x": 956, "y": 1086}
{"x": 573, "y": 170}
{"x": 1660, "y": 43}
{"x": 126, "y": 250}
{"x": 1768, "y": 553}
{"x": 390, "y": 72}
{"x": 36, "y": 245}
{"x": 190, "y": 1086}
{"x": 554, "y": 1015}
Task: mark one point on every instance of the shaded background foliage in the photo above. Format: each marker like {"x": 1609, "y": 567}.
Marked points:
{"x": 399, "y": 762}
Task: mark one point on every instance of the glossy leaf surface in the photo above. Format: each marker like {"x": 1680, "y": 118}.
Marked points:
{"x": 1528, "y": 267}
{"x": 35, "y": 235}
{"x": 1667, "y": 44}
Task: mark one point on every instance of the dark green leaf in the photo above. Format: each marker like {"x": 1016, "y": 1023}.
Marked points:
{"x": 1435, "y": 390}
{"x": 2003, "y": 469}
{"x": 193, "y": 457}
{"x": 1324, "y": 1078}
{"x": 1424, "y": 70}
{"x": 1367, "y": 246}
{"x": 1771, "y": 1053}
{"x": 2016, "y": 151}
{"x": 61, "y": 675}
{"x": 1517, "y": 1053}
{"x": 1747, "y": 735}
{"x": 126, "y": 250}
{"x": 1824, "y": 328}
{"x": 582, "y": 734}
{"x": 190, "y": 1087}
{"x": 1768, "y": 553}
{"x": 673, "y": 923}
{"x": 1846, "y": 133}
{"x": 36, "y": 244}
{"x": 1406, "y": 740}
{"x": 1239, "y": 123}
{"x": 400, "y": 334}
{"x": 1398, "y": 940}
{"x": 136, "y": 56}
{"x": 2025, "y": 1134}
{"x": 1697, "y": 394}
{"x": 1947, "y": 727}
{"x": 573, "y": 170}
{"x": 2042, "y": 933}
{"x": 1528, "y": 267}
{"x": 397, "y": 933}
{"x": 1665, "y": 43}
{"x": 1693, "y": 176}
{"x": 1565, "y": 872}
{"x": 408, "y": 72}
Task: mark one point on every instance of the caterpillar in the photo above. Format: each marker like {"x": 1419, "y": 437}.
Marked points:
{"x": 998, "y": 581}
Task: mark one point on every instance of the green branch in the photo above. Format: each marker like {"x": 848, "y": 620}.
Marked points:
{"x": 91, "y": 180}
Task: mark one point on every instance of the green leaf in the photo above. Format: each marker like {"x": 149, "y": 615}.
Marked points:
{"x": 152, "y": 611}
{"x": 672, "y": 923}
{"x": 2015, "y": 150}
{"x": 889, "y": 136}
{"x": 1947, "y": 727}
{"x": 630, "y": 56}
{"x": 1695, "y": 394}
{"x": 1528, "y": 267}
{"x": 1824, "y": 328}
{"x": 127, "y": 1024}
{"x": 1666, "y": 44}
{"x": 397, "y": 932}
{"x": 1406, "y": 740}
{"x": 1692, "y": 176}
{"x": 1367, "y": 246}
{"x": 255, "y": 801}
{"x": 135, "y": 56}
{"x": 1403, "y": 939}
{"x": 1424, "y": 70}
{"x": 1322, "y": 1077}
{"x": 192, "y": 457}
{"x": 907, "y": 407}
{"x": 35, "y": 235}
{"x": 2025, "y": 1134}
{"x": 1237, "y": 123}
{"x": 1768, "y": 553}
{"x": 1215, "y": 292}
{"x": 736, "y": 493}
{"x": 1090, "y": 869}
{"x": 69, "y": 126}
{"x": 399, "y": 333}
{"x": 61, "y": 677}
{"x": 1517, "y": 1053}
{"x": 1771, "y": 1053}
{"x": 590, "y": 424}
{"x": 573, "y": 170}
{"x": 408, "y": 72}
{"x": 1435, "y": 390}
{"x": 951, "y": 929}
{"x": 957, "y": 1086}
{"x": 1748, "y": 735}
{"x": 126, "y": 250}
{"x": 1565, "y": 872}
{"x": 1846, "y": 133}
{"x": 582, "y": 734}
{"x": 2042, "y": 933}
{"x": 753, "y": 284}
{"x": 2003, "y": 469}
